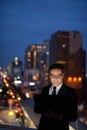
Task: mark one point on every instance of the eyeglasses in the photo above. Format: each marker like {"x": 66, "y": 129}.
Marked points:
{"x": 56, "y": 76}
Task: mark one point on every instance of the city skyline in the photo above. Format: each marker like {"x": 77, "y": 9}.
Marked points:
{"x": 26, "y": 22}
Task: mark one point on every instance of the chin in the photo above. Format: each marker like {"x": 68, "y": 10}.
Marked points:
{"x": 55, "y": 84}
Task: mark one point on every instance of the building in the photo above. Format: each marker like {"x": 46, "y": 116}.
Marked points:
{"x": 66, "y": 48}
{"x": 36, "y": 60}
{"x": 17, "y": 68}
{"x": 35, "y": 57}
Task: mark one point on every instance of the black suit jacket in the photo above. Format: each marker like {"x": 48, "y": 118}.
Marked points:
{"x": 53, "y": 119}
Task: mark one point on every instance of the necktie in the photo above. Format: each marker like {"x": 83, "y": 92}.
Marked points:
{"x": 54, "y": 91}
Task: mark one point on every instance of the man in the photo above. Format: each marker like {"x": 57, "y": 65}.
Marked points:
{"x": 56, "y": 117}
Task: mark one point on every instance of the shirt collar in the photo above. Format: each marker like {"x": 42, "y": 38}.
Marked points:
{"x": 57, "y": 88}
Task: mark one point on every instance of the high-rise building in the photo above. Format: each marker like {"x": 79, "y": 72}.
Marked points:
{"x": 66, "y": 48}
{"x": 35, "y": 57}
{"x": 36, "y": 60}
{"x": 47, "y": 44}
{"x": 17, "y": 68}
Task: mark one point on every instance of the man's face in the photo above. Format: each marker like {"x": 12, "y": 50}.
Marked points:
{"x": 56, "y": 77}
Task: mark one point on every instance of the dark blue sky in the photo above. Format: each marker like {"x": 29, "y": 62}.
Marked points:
{"x": 23, "y": 22}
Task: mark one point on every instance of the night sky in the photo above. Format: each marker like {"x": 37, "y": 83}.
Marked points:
{"x": 23, "y": 22}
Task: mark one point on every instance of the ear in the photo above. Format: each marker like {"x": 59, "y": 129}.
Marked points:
{"x": 63, "y": 75}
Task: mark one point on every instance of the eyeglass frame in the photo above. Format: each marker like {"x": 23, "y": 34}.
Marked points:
{"x": 59, "y": 76}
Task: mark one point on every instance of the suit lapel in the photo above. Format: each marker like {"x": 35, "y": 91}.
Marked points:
{"x": 62, "y": 90}
{"x": 47, "y": 90}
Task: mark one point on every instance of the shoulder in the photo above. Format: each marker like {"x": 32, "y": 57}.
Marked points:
{"x": 69, "y": 89}
{"x": 45, "y": 89}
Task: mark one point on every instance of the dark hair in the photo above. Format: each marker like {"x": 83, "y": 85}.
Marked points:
{"x": 56, "y": 66}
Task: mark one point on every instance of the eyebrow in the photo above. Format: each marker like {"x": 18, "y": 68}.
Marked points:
{"x": 57, "y": 74}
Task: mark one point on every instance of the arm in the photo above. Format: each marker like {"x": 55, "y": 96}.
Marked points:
{"x": 72, "y": 113}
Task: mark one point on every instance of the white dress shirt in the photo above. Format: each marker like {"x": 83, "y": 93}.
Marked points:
{"x": 57, "y": 89}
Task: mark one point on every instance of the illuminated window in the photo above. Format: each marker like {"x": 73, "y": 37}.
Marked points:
{"x": 80, "y": 79}
{"x": 74, "y": 79}
{"x": 29, "y": 54}
{"x": 69, "y": 79}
